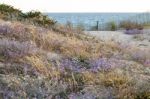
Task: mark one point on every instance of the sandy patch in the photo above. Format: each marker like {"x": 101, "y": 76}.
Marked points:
{"x": 119, "y": 36}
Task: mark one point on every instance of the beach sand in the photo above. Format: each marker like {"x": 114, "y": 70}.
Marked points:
{"x": 120, "y": 37}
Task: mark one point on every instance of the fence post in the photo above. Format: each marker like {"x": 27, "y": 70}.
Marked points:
{"x": 97, "y": 25}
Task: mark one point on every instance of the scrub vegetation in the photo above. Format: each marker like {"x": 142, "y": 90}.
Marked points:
{"x": 41, "y": 60}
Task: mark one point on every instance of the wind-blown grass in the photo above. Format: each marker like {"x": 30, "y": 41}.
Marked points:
{"x": 36, "y": 62}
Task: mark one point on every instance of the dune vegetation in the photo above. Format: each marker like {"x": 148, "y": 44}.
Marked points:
{"x": 41, "y": 60}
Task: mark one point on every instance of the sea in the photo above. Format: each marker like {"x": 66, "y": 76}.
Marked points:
{"x": 89, "y": 20}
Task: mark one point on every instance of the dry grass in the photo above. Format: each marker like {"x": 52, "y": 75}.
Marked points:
{"x": 28, "y": 69}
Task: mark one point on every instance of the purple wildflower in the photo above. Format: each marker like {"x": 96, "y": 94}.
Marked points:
{"x": 72, "y": 65}
{"x": 134, "y": 31}
{"x": 147, "y": 62}
{"x": 105, "y": 64}
{"x": 11, "y": 48}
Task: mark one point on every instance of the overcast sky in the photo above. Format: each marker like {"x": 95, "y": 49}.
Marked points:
{"x": 81, "y": 5}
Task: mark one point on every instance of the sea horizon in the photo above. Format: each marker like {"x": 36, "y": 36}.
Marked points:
{"x": 90, "y": 19}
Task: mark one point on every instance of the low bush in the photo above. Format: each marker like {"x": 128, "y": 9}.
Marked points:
{"x": 134, "y": 31}
{"x": 128, "y": 25}
{"x": 38, "y": 18}
{"x": 33, "y": 17}
{"x": 15, "y": 49}
{"x": 112, "y": 26}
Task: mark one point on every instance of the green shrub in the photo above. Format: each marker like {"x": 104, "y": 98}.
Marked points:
{"x": 9, "y": 13}
{"x": 112, "y": 26}
{"x": 34, "y": 17}
{"x": 37, "y": 18}
{"x": 8, "y": 9}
